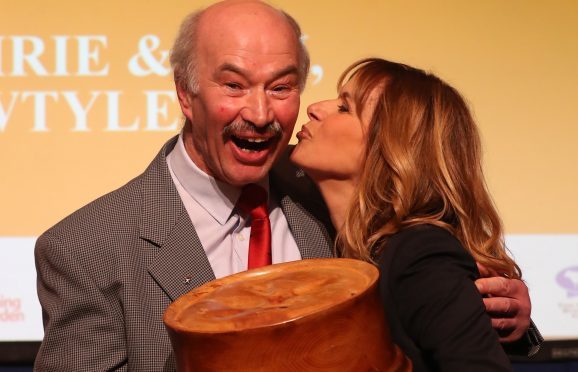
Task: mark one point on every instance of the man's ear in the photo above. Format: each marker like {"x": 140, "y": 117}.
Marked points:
{"x": 184, "y": 100}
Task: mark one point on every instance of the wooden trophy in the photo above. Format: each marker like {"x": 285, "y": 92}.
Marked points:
{"x": 309, "y": 315}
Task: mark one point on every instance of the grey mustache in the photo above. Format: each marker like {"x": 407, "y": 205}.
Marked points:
{"x": 245, "y": 126}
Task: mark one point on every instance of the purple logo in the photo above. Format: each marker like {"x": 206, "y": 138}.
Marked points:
{"x": 568, "y": 279}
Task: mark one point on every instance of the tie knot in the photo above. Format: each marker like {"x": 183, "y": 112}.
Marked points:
{"x": 253, "y": 201}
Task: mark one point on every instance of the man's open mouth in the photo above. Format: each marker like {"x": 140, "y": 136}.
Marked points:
{"x": 252, "y": 144}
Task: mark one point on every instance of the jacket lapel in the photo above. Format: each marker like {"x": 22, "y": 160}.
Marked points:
{"x": 310, "y": 235}
{"x": 181, "y": 263}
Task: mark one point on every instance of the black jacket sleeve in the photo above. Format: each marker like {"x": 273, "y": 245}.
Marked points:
{"x": 427, "y": 285}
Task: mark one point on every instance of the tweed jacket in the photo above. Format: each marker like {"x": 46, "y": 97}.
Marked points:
{"x": 107, "y": 272}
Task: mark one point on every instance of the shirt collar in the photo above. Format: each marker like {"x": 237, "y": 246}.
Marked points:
{"x": 216, "y": 197}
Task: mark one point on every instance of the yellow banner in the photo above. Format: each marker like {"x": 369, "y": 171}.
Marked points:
{"x": 86, "y": 94}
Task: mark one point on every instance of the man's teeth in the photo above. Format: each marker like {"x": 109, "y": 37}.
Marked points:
{"x": 251, "y": 144}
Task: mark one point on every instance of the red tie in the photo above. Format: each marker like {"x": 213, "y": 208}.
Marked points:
{"x": 253, "y": 201}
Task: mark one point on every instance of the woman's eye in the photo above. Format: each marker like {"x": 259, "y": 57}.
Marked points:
{"x": 342, "y": 108}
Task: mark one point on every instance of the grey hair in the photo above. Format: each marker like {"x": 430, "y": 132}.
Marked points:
{"x": 183, "y": 54}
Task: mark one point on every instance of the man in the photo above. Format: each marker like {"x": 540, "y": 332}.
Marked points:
{"x": 107, "y": 272}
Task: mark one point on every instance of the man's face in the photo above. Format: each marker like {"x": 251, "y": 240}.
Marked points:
{"x": 248, "y": 81}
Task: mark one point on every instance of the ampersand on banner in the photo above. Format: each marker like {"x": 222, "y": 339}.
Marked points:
{"x": 144, "y": 62}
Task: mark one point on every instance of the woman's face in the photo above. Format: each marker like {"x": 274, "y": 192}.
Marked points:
{"x": 331, "y": 145}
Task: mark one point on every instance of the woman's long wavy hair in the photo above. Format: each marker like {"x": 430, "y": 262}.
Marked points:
{"x": 422, "y": 165}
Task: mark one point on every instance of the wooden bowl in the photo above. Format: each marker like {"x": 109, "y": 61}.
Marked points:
{"x": 309, "y": 315}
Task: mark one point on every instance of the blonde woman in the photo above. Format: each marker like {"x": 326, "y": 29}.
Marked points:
{"x": 396, "y": 157}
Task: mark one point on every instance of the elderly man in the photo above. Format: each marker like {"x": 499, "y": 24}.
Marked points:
{"x": 107, "y": 272}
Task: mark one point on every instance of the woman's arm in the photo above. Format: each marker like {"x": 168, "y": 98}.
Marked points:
{"x": 430, "y": 285}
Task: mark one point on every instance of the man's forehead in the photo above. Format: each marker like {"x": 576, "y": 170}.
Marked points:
{"x": 244, "y": 39}
{"x": 283, "y": 67}
{"x": 252, "y": 42}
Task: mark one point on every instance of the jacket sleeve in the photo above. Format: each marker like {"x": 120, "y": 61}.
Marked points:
{"x": 431, "y": 280}
{"x": 527, "y": 346}
{"x": 83, "y": 327}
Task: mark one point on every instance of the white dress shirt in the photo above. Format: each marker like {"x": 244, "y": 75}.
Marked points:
{"x": 224, "y": 233}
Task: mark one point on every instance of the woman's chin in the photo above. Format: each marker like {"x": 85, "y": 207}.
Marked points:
{"x": 309, "y": 163}
{"x": 296, "y": 155}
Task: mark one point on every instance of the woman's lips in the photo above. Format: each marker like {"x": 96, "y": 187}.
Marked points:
{"x": 304, "y": 133}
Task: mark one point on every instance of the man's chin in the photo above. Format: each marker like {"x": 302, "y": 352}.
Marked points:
{"x": 242, "y": 174}
{"x": 246, "y": 167}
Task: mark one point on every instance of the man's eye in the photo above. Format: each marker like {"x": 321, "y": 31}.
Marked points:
{"x": 233, "y": 86}
{"x": 342, "y": 108}
{"x": 280, "y": 91}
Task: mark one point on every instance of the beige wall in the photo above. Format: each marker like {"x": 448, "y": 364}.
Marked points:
{"x": 515, "y": 61}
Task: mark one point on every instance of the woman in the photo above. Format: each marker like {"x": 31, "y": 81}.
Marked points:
{"x": 397, "y": 159}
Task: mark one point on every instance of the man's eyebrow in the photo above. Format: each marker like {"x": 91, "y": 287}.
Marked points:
{"x": 230, "y": 67}
{"x": 289, "y": 70}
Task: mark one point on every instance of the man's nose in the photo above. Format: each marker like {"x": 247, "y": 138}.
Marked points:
{"x": 258, "y": 109}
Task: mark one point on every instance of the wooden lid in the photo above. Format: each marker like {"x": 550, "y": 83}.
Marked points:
{"x": 270, "y": 295}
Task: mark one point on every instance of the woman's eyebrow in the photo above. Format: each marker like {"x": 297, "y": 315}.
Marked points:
{"x": 346, "y": 96}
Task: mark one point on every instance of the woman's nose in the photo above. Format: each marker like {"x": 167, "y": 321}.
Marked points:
{"x": 314, "y": 111}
